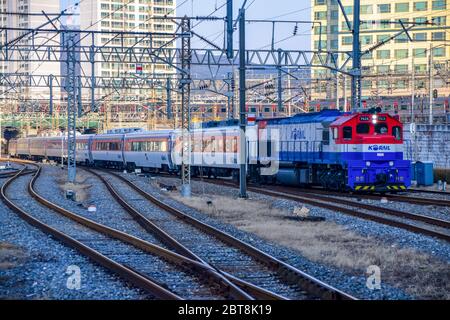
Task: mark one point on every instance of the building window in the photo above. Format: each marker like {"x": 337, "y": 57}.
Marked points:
{"x": 348, "y": 10}
{"x": 420, "y": 6}
{"x": 367, "y": 56}
{"x": 345, "y": 27}
{"x": 401, "y": 68}
{"x": 383, "y": 84}
{"x": 440, "y": 21}
{"x": 334, "y": 44}
{"x": 382, "y": 37}
{"x": 385, "y": 24}
{"x": 439, "y": 52}
{"x": 383, "y": 69}
{"x": 317, "y": 30}
{"x": 420, "y": 20}
{"x": 420, "y": 68}
{"x": 401, "y": 53}
{"x": 384, "y": 8}
{"x": 420, "y": 53}
{"x": 439, "y": 5}
{"x": 383, "y": 54}
{"x": 320, "y": 2}
{"x": 366, "y": 84}
{"x": 366, "y": 40}
{"x": 334, "y": 14}
{"x": 420, "y": 36}
{"x": 347, "y": 40}
{"x": 440, "y": 36}
{"x": 402, "y": 7}
{"x": 320, "y": 15}
{"x": 366, "y": 9}
{"x": 366, "y": 25}
{"x": 402, "y": 38}
{"x": 323, "y": 44}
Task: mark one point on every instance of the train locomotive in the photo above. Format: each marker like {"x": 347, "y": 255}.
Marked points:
{"x": 336, "y": 150}
{"x": 355, "y": 151}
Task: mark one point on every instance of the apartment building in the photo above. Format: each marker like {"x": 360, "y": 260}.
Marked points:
{"x": 397, "y": 70}
{"x": 17, "y": 14}
{"x": 126, "y": 15}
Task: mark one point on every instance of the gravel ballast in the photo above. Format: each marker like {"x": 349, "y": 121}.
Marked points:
{"x": 37, "y": 265}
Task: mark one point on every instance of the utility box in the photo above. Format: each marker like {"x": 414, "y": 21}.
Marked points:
{"x": 413, "y": 171}
{"x": 424, "y": 173}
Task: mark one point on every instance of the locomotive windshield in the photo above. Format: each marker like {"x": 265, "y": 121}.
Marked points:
{"x": 381, "y": 128}
{"x": 362, "y": 128}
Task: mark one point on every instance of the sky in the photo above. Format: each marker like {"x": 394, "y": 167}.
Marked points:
{"x": 259, "y": 35}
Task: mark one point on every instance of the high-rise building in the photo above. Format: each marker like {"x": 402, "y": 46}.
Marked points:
{"x": 392, "y": 73}
{"x": 17, "y": 14}
{"x": 135, "y": 16}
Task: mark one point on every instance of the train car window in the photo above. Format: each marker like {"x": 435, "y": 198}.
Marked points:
{"x": 213, "y": 144}
{"x": 397, "y": 133}
{"x": 326, "y": 137}
{"x": 198, "y": 145}
{"x": 335, "y": 133}
{"x": 347, "y": 132}
{"x": 381, "y": 128}
{"x": 362, "y": 128}
{"x": 228, "y": 144}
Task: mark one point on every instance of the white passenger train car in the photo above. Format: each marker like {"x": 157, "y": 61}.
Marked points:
{"x": 151, "y": 149}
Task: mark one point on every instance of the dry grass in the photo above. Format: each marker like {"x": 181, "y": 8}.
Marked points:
{"x": 419, "y": 274}
{"x": 10, "y": 255}
{"x": 81, "y": 188}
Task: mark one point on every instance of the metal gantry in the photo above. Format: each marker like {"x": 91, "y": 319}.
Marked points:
{"x": 71, "y": 85}
{"x": 185, "y": 86}
{"x": 80, "y": 47}
{"x": 242, "y": 109}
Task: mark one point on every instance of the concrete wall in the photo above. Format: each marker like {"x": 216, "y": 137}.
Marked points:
{"x": 429, "y": 143}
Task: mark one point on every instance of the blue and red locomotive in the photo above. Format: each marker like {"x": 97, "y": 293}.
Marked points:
{"x": 356, "y": 151}
{"x": 342, "y": 151}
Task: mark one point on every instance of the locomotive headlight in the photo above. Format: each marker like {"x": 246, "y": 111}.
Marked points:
{"x": 367, "y": 163}
{"x": 391, "y": 163}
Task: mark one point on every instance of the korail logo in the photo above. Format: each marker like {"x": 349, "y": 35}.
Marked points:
{"x": 377, "y": 147}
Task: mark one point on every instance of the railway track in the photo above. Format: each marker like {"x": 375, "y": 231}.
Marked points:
{"x": 445, "y": 193}
{"x": 208, "y": 284}
{"x": 412, "y": 222}
{"x": 391, "y": 197}
{"x": 209, "y": 245}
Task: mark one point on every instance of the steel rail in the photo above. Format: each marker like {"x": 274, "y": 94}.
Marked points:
{"x": 447, "y": 193}
{"x": 149, "y": 226}
{"x": 394, "y": 223}
{"x": 400, "y": 198}
{"x": 309, "y": 196}
{"x": 124, "y": 272}
{"x": 388, "y": 211}
{"x": 291, "y": 274}
{"x": 184, "y": 262}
